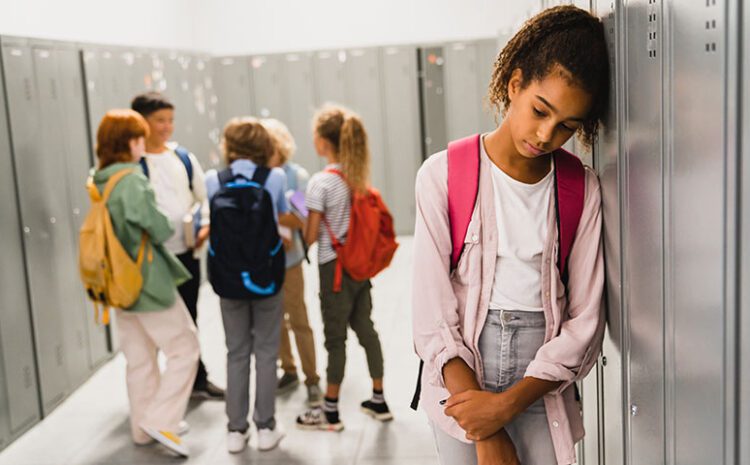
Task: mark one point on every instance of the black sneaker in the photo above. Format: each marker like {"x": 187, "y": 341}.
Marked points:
{"x": 208, "y": 392}
{"x": 317, "y": 419}
{"x": 287, "y": 383}
{"x": 378, "y": 411}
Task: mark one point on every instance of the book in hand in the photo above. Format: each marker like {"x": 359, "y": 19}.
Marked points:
{"x": 191, "y": 224}
{"x": 297, "y": 202}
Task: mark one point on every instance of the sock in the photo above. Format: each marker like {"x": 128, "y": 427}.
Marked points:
{"x": 331, "y": 409}
{"x": 377, "y": 396}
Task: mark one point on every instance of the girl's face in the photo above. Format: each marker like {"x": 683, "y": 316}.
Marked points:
{"x": 545, "y": 114}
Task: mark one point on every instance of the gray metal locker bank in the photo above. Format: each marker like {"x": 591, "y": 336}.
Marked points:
{"x": 19, "y": 401}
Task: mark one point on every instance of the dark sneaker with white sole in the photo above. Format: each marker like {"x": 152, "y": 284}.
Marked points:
{"x": 317, "y": 419}
{"x": 377, "y": 410}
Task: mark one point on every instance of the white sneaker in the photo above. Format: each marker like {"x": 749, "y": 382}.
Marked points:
{"x": 169, "y": 440}
{"x": 236, "y": 441}
{"x": 183, "y": 428}
{"x": 270, "y": 438}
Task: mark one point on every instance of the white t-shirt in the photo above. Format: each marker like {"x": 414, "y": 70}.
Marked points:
{"x": 521, "y": 212}
{"x": 169, "y": 180}
{"x": 328, "y": 193}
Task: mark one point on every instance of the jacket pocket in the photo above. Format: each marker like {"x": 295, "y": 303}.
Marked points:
{"x": 461, "y": 274}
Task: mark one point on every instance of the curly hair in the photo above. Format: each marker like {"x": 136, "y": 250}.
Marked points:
{"x": 564, "y": 36}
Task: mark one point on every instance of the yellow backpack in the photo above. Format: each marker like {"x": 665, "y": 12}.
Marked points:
{"x": 111, "y": 278}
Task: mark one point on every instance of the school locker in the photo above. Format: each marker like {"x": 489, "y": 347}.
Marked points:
{"x": 203, "y": 146}
{"x": 487, "y": 50}
{"x": 78, "y": 163}
{"x": 268, "y": 91}
{"x": 19, "y": 406}
{"x": 700, "y": 238}
{"x": 212, "y": 114}
{"x": 643, "y": 231}
{"x": 329, "y": 76}
{"x": 462, "y": 95}
{"x": 299, "y": 86}
{"x": 609, "y": 165}
{"x": 403, "y": 145}
{"x": 433, "y": 106}
{"x": 233, "y": 84}
{"x": 362, "y": 89}
{"x": 40, "y": 205}
{"x": 178, "y": 88}
{"x": 54, "y": 120}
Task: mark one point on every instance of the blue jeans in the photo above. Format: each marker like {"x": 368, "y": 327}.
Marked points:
{"x": 508, "y": 343}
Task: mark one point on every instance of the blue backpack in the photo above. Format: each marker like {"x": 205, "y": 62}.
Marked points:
{"x": 184, "y": 156}
{"x": 246, "y": 259}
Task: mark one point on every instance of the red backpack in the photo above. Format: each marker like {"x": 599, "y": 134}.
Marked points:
{"x": 370, "y": 241}
{"x": 463, "y": 188}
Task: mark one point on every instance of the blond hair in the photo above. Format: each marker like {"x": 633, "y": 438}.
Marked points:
{"x": 282, "y": 138}
{"x": 345, "y": 131}
{"x": 246, "y": 138}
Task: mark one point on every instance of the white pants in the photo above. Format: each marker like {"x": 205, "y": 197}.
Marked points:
{"x": 158, "y": 400}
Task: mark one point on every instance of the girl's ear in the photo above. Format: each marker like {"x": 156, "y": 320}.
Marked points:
{"x": 515, "y": 83}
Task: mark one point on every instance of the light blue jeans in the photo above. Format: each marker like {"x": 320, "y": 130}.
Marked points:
{"x": 508, "y": 343}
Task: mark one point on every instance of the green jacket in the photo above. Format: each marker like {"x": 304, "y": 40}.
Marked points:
{"x": 132, "y": 207}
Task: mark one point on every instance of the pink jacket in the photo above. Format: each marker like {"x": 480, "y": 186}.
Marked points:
{"x": 449, "y": 309}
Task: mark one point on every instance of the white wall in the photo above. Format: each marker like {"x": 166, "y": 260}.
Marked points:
{"x": 144, "y": 23}
{"x": 233, "y": 27}
{"x": 228, "y": 27}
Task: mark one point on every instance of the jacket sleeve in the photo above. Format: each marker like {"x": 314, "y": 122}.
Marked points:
{"x": 141, "y": 209}
{"x": 570, "y": 355}
{"x": 436, "y": 324}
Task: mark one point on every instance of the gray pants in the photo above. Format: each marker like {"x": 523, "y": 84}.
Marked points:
{"x": 508, "y": 343}
{"x": 251, "y": 327}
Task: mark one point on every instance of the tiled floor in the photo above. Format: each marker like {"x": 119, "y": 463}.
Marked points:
{"x": 91, "y": 427}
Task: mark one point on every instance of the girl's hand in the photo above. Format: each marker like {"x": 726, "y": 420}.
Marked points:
{"x": 497, "y": 450}
{"x": 480, "y": 413}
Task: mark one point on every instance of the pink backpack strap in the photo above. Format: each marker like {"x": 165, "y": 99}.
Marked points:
{"x": 463, "y": 187}
{"x": 570, "y": 189}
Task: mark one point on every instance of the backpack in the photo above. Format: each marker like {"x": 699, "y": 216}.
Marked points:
{"x": 184, "y": 156}
{"x": 371, "y": 240}
{"x": 463, "y": 189}
{"x": 109, "y": 275}
{"x": 245, "y": 258}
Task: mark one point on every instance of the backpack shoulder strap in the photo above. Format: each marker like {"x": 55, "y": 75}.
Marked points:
{"x": 144, "y": 166}
{"x": 225, "y": 176}
{"x": 463, "y": 188}
{"x": 184, "y": 155}
{"x": 112, "y": 182}
{"x": 570, "y": 189}
{"x": 261, "y": 174}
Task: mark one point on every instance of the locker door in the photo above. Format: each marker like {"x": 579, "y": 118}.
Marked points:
{"x": 233, "y": 88}
{"x": 643, "y": 232}
{"x": 19, "y": 406}
{"x": 199, "y": 100}
{"x": 212, "y": 114}
{"x": 462, "y": 101}
{"x": 78, "y": 162}
{"x": 400, "y": 94}
{"x": 701, "y": 193}
{"x": 178, "y": 91}
{"x": 329, "y": 77}
{"x": 95, "y": 90}
{"x": 300, "y": 90}
{"x": 487, "y": 51}
{"x": 609, "y": 165}
{"x": 363, "y": 93}
{"x": 116, "y": 83}
{"x": 143, "y": 79}
{"x": 37, "y": 212}
{"x": 432, "y": 88}
{"x": 267, "y": 87}
{"x": 52, "y": 169}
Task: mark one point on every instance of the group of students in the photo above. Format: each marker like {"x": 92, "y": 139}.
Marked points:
{"x": 153, "y": 187}
{"x": 508, "y": 262}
